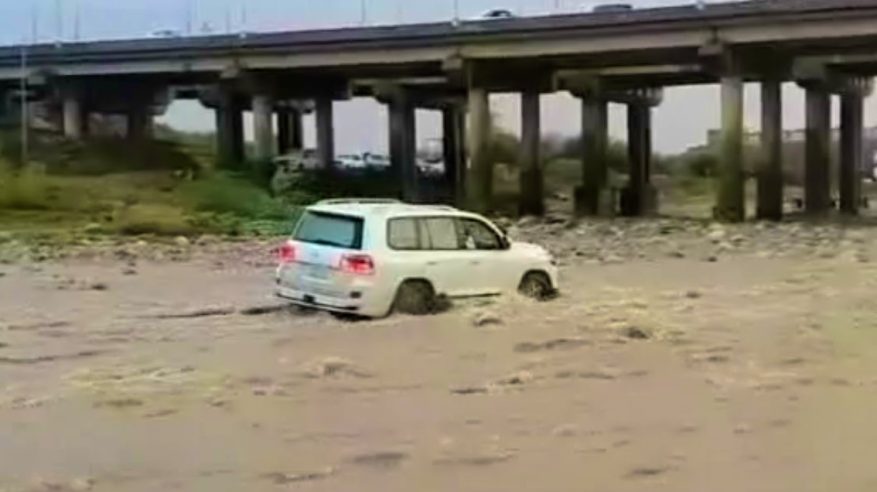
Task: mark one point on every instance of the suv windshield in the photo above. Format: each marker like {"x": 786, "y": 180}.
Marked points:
{"x": 341, "y": 231}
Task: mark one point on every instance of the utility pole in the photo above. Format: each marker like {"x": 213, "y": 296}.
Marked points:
{"x": 76, "y": 22}
{"x": 363, "y": 15}
{"x": 59, "y": 21}
{"x": 34, "y": 23}
{"x": 188, "y": 15}
{"x": 25, "y": 116}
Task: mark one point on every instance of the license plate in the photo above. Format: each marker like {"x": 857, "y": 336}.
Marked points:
{"x": 317, "y": 272}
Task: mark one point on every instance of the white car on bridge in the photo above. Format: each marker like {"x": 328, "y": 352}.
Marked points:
{"x": 372, "y": 257}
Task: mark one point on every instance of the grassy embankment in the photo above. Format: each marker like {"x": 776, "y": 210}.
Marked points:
{"x": 112, "y": 186}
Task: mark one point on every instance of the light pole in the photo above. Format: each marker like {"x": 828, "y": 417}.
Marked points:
{"x": 363, "y": 15}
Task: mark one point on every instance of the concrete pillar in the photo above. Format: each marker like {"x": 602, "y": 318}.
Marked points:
{"x": 229, "y": 133}
{"x": 140, "y": 122}
{"x": 817, "y": 184}
{"x": 479, "y": 179}
{"x": 532, "y": 187}
{"x": 851, "y": 152}
{"x": 770, "y": 164}
{"x": 73, "y": 117}
{"x": 283, "y": 131}
{"x": 403, "y": 147}
{"x": 263, "y": 128}
{"x": 730, "y": 199}
{"x": 454, "y": 152}
{"x": 325, "y": 133}
{"x": 289, "y": 130}
{"x": 589, "y": 197}
{"x": 296, "y": 130}
{"x": 637, "y": 199}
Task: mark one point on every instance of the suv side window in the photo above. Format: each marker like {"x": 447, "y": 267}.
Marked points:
{"x": 477, "y": 235}
{"x": 402, "y": 234}
{"x": 441, "y": 233}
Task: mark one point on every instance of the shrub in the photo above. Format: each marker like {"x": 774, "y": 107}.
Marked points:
{"x": 160, "y": 220}
{"x": 229, "y": 194}
{"x": 24, "y": 190}
{"x": 97, "y": 155}
{"x": 305, "y": 188}
{"x": 702, "y": 164}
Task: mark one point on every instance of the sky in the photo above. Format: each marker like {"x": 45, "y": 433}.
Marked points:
{"x": 681, "y": 121}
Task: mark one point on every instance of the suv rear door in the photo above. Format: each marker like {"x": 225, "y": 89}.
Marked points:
{"x": 321, "y": 240}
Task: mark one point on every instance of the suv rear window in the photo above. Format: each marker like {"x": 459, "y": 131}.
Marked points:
{"x": 340, "y": 231}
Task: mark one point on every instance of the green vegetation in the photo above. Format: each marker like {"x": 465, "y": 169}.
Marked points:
{"x": 138, "y": 203}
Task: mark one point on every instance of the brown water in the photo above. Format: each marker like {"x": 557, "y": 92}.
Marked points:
{"x": 757, "y": 375}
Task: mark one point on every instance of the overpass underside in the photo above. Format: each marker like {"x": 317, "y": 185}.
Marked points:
{"x": 828, "y": 47}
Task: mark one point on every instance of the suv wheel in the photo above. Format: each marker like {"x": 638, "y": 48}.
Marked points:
{"x": 536, "y": 285}
{"x": 414, "y": 297}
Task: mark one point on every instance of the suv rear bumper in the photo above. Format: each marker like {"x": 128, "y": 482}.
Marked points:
{"x": 361, "y": 306}
{"x": 318, "y": 301}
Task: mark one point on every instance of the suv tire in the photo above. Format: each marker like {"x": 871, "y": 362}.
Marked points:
{"x": 536, "y": 285}
{"x": 415, "y": 297}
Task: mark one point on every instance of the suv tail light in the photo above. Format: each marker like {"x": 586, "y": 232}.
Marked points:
{"x": 286, "y": 253}
{"x": 358, "y": 264}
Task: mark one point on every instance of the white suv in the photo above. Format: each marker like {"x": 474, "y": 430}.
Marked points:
{"x": 371, "y": 257}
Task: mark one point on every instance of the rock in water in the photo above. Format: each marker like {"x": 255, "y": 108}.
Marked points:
{"x": 612, "y": 259}
{"x": 182, "y": 241}
{"x": 717, "y": 235}
{"x": 693, "y": 294}
{"x": 332, "y": 367}
{"x": 81, "y": 484}
{"x": 527, "y": 221}
{"x": 636, "y": 333}
{"x": 486, "y": 318}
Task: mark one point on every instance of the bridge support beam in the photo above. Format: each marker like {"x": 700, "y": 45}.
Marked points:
{"x": 851, "y": 145}
{"x": 640, "y": 197}
{"x": 229, "y": 132}
{"x": 453, "y": 149}
{"x": 592, "y": 197}
{"x": 479, "y": 180}
{"x": 770, "y": 164}
{"x": 403, "y": 146}
{"x": 325, "y": 133}
{"x": 263, "y": 128}
{"x": 140, "y": 122}
{"x": 817, "y": 185}
{"x": 532, "y": 187}
{"x": 289, "y": 130}
{"x": 73, "y": 116}
{"x": 730, "y": 199}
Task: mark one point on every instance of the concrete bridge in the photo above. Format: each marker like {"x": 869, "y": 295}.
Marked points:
{"x": 826, "y": 46}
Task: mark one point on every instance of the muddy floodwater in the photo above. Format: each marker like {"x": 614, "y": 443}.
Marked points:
{"x": 688, "y": 358}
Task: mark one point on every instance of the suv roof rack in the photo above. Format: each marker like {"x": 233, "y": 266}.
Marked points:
{"x": 363, "y": 201}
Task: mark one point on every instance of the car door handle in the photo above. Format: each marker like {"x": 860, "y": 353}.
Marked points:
{"x": 475, "y": 262}
{"x": 431, "y": 263}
